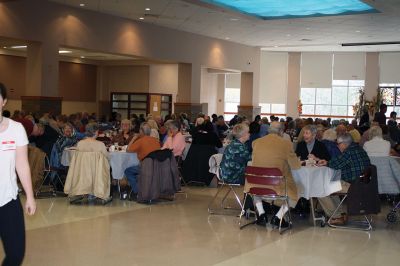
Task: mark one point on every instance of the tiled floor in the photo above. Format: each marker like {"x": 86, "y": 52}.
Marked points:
{"x": 182, "y": 233}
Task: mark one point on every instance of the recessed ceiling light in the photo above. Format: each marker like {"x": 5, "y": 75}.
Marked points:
{"x": 147, "y": 9}
{"x": 358, "y": 31}
{"x": 82, "y": 57}
{"x": 5, "y": 47}
{"x": 227, "y": 38}
{"x": 234, "y": 19}
{"x": 308, "y": 28}
{"x": 82, "y": 4}
{"x": 18, "y": 47}
{"x": 288, "y": 35}
{"x": 64, "y": 52}
{"x": 276, "y": 46}
{"x": 141, "y": 18}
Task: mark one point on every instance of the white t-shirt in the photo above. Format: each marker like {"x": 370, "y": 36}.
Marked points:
{"x": 14, "y": 136}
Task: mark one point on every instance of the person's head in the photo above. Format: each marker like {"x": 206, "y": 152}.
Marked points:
{"x": 153, "y": 124}
{"x": 393, "y": 115}
{"x": 254, "y": 127}
{"x": 257, "y": 118}
{"x": 309, "y": 133}
{"x": 291, "y": 124}
{"x": 375, "y": 131}
{"x": 3, "y": 96}
{"x": 92, "y": 130}
{"x": 341, "y": 129}
{"x": 383, "y": 108}
{"x": 173, "y": 127}
{"x": 68, "y": 130}
{"x": 126, "y": 126}
{"x": 344, "y": 141}
{"x": 276, "y": 128}
{"x": 264, "y": 120}
{"x": 241, "y": 132}
{"x": 145, "y": 129}
{"x": 329, "y": 134}
{"x": 199, "y": 121}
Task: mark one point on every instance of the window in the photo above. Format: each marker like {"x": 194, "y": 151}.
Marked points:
{"x": 334, "y": 102}
{"x": 272, "y": 108}
{"x": 232, "y": 100}
{"x": 391, "y": 97}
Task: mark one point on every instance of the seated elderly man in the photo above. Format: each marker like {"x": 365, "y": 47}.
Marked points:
{"x": 352, "y": 163}
{"x": 236, "y": 155}
{"x": 142, "y": 144}
{"x": 175, "y": 140}
{"x": 376, "y": 146}
{"x": 310, "y": 147}
{"x": 275, "y": 152}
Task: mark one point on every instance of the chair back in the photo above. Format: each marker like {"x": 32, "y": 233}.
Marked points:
{"x": 363, "y": 195}
{"x": 264, "y": 176}
{"x": 89, "y": 173}
{"x": 37, "y": 165}
{"x": 214, "y": 162}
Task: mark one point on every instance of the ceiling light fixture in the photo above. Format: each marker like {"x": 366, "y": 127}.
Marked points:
{"x": 147, "y": 9}
{"x": 82, "y": 4}
{"x": 358, "y": 31}
{"x": 82, "y": 57}
{"x": 18, "y": 47}
{"x": 227, "y": 38}
{"x": 141, "y": 18}
{"x": 64, "y": 52}
{"x": 234, "y": 19}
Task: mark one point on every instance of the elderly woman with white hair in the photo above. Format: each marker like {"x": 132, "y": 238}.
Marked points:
{"x": 236, "y": 156}
{"x": 376, "y": 146}
{"x": 125, "y": 136}
{"x": 90, "y": 143}
{"x": 329, "y": 140}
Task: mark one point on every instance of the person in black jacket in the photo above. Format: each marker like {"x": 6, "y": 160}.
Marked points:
{"x": 311, "y": 146}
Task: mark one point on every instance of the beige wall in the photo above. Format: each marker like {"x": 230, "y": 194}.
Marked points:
{"x": 221, "y": 94}
{"x": 164, "y": 79}
{"x": 124, "y": 79}
{"x": 12, "y": 75}
{"x": 70, "y": 107}
{"x": 13, "y": 105}
{"x": 60, "y": 25}
{"x": 293, "y": 94}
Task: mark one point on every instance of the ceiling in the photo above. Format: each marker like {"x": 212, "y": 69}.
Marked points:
{"x": 300, "y": 34}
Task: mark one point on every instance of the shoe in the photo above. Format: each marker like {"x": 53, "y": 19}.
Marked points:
{"x": 262, "y": 220}
{"x": 275, "y": 222}
{"x": 132, "y": 196}
{"x": 341, "y": 220}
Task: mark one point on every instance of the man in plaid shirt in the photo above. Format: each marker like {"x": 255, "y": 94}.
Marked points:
{"x": 351, "y": 163}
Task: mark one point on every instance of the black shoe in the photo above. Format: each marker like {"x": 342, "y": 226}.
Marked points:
{"x": 275, "y": 221}
{"x": 262, "y": 220}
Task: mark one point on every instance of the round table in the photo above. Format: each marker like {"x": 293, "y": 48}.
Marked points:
{"x": 119, "y": 161}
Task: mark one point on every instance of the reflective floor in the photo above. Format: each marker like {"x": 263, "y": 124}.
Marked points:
{"x": 183, "y": 233}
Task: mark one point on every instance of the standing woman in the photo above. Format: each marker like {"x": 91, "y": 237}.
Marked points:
{"x": 13, "y": 158}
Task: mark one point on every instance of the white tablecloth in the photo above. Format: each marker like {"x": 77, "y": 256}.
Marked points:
{"x": 316, "y": 181}
{"x": 119, "y": 161}
{"x": 388, "y": 169}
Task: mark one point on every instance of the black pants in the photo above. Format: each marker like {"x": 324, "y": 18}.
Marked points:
{"x": 12, "y": 233}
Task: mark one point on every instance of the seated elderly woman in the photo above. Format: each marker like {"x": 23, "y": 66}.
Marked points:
{"x": 154, "y": 128}
{"x": 376, "y": 146}
{"x": 68, "y": 139}
{"x": 126, "y": 134}
{"x": 236, "y": 156}
{"x": 310, "y": 146}
{"x": 90, "y": 143}
{"x": 329, "y": 140}
{"x": 175, "y": 140}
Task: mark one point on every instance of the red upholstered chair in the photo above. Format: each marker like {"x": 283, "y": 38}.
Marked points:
{"x": 258, "y": 178}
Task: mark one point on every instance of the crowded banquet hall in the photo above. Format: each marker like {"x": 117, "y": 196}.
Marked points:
{"x": 138, "y": 132}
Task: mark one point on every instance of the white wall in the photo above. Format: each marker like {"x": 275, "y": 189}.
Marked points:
{"x": 164, "y": 79}
{"x": 209, "y": 90}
